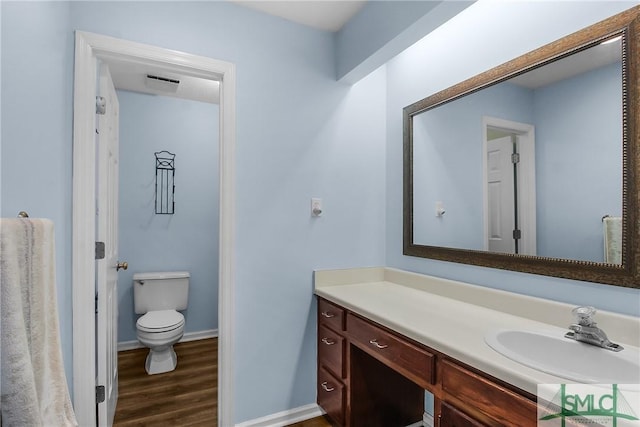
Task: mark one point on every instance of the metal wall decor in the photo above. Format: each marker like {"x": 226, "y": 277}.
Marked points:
{"x": 165, "y": 184}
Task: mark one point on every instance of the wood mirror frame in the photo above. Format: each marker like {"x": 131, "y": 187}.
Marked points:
{"x": 627, "y": 274}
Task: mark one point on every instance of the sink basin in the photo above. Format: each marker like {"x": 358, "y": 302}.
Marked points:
{"x": 554, "y": 354}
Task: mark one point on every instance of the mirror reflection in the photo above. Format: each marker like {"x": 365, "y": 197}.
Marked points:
{"x": 532, "y": 165}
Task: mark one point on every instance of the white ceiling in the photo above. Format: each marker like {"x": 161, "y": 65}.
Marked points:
{"x": 328, "y": 15}
{"x": 133, "y": 77}
{"x": 586, "y": 60}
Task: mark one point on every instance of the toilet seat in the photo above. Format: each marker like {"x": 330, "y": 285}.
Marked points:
{"x": 160, "y": 321}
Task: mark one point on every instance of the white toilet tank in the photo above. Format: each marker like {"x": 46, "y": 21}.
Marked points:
{"x": 160, "y": 291}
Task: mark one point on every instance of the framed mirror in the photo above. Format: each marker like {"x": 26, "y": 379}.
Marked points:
{"x": 534, "y": 166}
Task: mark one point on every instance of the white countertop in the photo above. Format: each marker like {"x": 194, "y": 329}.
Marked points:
{"x": 453, "y": 317}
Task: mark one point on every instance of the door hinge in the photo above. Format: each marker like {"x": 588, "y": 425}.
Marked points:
{"x": 100, "y": 394}
{"x": 99, "y": 250}
{"x": 101, "y": 105}
{"x": 515, "y": 158}
{"x": 517, "y": 234}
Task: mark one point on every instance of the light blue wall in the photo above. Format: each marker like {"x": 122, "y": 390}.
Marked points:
{"x": 382, "y": 29}
{"x": 472, "y": 42}
{"x": 579, "y": 131}
{"x": 333, "y": 150}
{"x": 448, "y": 164}
{"x": 37, "y": 80}
{"x": 188, "y": 239}
{"x": 300, "y": 134}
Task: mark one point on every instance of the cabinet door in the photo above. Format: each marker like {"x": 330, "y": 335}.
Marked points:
{"x": 330, "y": 315}
{"x": 331, "y": 351}
{"x": 503, "y": 405}
{"x": 331, "y": 396}
{"x": 452, "y": 417}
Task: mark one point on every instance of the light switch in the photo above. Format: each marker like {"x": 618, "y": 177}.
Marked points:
{"x": 316, "y": 206}
{"x": 439, "y": 209}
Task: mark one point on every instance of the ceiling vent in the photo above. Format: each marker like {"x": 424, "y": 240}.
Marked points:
{"x": 162, "y": 84}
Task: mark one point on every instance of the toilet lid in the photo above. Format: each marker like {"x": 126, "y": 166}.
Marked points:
{"x": 160, "y": 321}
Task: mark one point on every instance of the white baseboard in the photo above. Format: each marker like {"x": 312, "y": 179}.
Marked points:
{"x": 189, "y": 336}
{"x": 285, "y": 418}
{"x": 307, "y": 412}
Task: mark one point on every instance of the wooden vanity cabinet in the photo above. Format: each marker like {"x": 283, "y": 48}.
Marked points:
{"x": 331, "y": 315}
{"x": 387, "y": 375}
{"x": 332, "y": 387}
{"x": 450, "y": 416}
{"x": 371, "y": 376}
{"x": 331, "y": 396}
{"x": 486, "y": 396}
{"x": 412, "y": 361}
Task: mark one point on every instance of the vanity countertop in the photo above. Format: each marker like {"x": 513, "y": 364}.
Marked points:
{"x": 453, "y": 317}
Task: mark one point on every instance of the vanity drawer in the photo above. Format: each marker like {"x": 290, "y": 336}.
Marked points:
{"x": 500, "y": 403}
{"x": 330, "y": 315}
{"x": 331, "y": 350}
{"x": 452, "y": 417}
{"x": 413, "y": 362}
{"x": 331, "y": 396}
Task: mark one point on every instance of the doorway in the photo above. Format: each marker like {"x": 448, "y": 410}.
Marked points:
{"x": 509, "y": 192}
{"x": 168, "y": 191}
{"x": 91, "y": 48}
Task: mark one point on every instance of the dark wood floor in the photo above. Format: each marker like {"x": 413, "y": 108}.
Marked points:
{"x": 314, "y": 422}
{"x": 185, "y": 397}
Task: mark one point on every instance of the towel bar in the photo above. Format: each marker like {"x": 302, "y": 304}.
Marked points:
{"x": 23, "y": 214}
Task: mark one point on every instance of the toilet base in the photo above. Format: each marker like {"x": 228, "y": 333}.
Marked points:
{"x": 161, "y": 361}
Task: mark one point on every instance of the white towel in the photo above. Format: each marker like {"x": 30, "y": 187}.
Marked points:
{"x": 34, "y": 388}
{"x": 612, "y": 239}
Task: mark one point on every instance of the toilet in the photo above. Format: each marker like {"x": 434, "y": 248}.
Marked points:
{"x": 158, "y": 297}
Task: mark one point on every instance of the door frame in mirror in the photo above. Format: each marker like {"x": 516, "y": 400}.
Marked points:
{"x": 526, "y": 180}
{"x": 627, "y": 274}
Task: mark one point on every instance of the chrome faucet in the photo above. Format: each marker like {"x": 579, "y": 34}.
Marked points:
{"x": 585, "y": 330}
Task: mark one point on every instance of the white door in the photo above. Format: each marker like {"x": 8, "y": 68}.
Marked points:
{"x": 500, "y": 195}
{"x": 107, "y": 232}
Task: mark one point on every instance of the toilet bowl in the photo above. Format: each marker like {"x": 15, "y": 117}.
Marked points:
{"x": 159, "y": 297}
{"x": 159, "y": 331}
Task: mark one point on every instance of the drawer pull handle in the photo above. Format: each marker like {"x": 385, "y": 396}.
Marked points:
{"x": 328, "y": 341}
{"x": 377, "y": 344}
{"x": 328, "y": 314}
{"x": 326, "y": 387}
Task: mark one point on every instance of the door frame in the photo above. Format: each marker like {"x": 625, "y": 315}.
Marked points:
{"x": 526, "y": 180}
{"x": 89, "y": 48}
{"x": 107, "y": 200}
